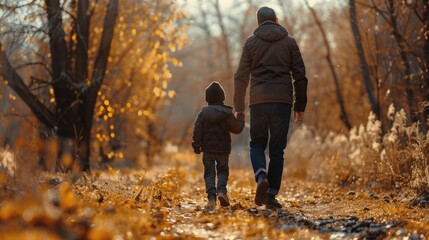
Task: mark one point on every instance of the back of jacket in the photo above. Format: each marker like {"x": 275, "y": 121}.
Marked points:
{"x": 212, "y": 129}
{"x": 272, "y": 58}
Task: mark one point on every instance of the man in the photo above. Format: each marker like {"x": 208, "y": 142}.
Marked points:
{"x": 270, "y": 59}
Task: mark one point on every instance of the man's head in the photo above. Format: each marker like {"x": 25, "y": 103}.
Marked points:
{"x": 266, "y": 14}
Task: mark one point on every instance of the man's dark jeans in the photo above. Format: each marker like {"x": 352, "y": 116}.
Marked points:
{"x": 269, "y": 122}
{"x": 215, "y": 163}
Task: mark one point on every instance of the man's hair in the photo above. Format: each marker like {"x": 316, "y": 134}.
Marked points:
{"x": 266, "y": 14}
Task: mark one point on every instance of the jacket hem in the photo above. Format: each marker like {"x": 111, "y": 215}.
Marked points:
{"x": 218, "y": 152}
{"x": 270, "y": 101}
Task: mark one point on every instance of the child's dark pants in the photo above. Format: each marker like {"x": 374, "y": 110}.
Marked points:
{"x": 215, "y": 163}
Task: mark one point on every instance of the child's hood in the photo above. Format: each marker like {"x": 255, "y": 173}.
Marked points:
{"x": 216, "y": 113}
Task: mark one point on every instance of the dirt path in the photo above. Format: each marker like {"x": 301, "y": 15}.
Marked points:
{"x": 167, "y": 203}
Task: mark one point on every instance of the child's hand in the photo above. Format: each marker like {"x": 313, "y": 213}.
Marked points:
{"x": 241, "y": 114}
{"x": 240, "y": 117}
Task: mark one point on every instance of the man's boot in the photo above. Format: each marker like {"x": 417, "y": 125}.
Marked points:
{"x": 211, "y": 205}
{"x": 223, "y": 199}
{"x": 272, "y": 202}
{"x": 261, "y": 189}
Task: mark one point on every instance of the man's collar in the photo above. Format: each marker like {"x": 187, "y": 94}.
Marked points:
{"x": 268, "y": 22}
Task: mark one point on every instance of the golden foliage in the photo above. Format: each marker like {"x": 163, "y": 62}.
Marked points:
{"x": 138, "y": 71}
{"x": 167, "y": 202}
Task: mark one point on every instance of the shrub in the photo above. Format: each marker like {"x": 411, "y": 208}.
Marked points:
{"x": 366, "y": 155}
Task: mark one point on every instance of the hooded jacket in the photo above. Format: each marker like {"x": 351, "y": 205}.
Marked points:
{"x": 212, "y": 129}
{"x": 270, "y": 59}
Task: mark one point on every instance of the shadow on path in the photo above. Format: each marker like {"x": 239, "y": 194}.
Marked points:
{"x": 367, "y": 228}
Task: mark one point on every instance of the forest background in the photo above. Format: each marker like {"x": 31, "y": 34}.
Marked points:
{"x": 89, "y": 84}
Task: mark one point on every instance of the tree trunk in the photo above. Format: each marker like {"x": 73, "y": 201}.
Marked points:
{"x": 344, "y": 118}
{"x": 426, "y": 56}
{"x": 208, "y": 38}
{"x": 44, "y": 135}
{"x": 363, "y": 64}
{"x": 82, "y": 31}
{"x": 404, "y": 61}
{"x": 66, "y": 96}
{"x": 66, "y": 154}
{"x": 150, "y": 146}
{"x": 90, "y": 97}
{"x": 227, "y": 48}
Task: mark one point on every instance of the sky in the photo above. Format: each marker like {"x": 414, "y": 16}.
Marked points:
{"x": 269, "y": 3}
{"x": 193, "y": 5}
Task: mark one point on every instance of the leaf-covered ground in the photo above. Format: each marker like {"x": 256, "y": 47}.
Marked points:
{"x": 167, "y": 202}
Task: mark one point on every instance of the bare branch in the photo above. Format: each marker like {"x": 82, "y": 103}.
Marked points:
{"x": 35, "y": 63}
{"x": 12, "y": 8}
{"x": 93, "y": 9}
{"x": 39, "y": 81}
{"x": 418, "y": 15}
{"x": 9, "y": 74}
{"x": 100, "y": 63}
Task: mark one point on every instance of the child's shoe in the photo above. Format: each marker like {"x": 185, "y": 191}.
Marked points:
{"x": 211, "y": 205}
{"x": 223, "y": 199}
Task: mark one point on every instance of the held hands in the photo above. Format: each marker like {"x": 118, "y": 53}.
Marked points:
{"x": 197, "y": 150}
{"x": 298, "y": 117}
{"x": 239, "y": 113}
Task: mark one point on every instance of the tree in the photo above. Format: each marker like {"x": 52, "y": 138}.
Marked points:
{"x": 363, "y": 63}
{"x": 401, "y": 58}
{"x": 224, "y": 32}
{"x": 425, "y": 32}
{"x": 147, "y": 36}
{"x": 344, "y": 117}
{"x": 75, "y": 95}
{"x": 76, "y": 46}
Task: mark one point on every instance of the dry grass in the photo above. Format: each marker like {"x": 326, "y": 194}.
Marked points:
{"x": 365, "y": 155}
{"x": 166, "y": 201}
{"x": 397, "y": 158}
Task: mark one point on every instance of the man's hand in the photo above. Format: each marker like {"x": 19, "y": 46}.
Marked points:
{"x": 298, "y": 117}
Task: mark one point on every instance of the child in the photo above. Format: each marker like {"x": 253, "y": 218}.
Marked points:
{"x": 212, "y": 137}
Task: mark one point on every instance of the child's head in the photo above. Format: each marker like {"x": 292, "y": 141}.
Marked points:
{"x": 214, "y": 93}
